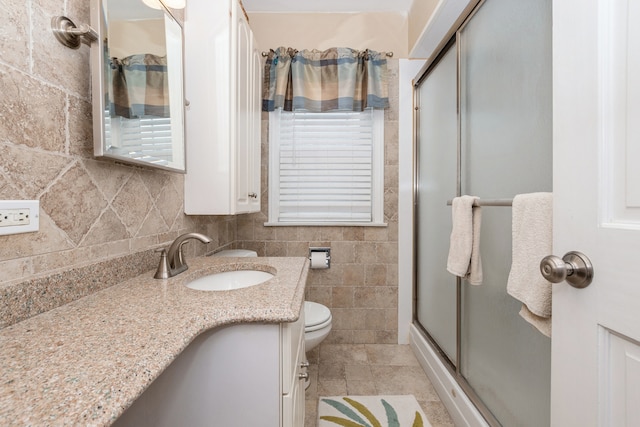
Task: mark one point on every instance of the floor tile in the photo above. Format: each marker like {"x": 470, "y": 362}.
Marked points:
{"x": 390, "y": 355}
{"x": 370, "y": 369}
{"x": 358, "y": 373}
{"x": 403, "y": 380}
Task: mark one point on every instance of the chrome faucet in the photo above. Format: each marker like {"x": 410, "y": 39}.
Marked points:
{"x": 172, "y": 262}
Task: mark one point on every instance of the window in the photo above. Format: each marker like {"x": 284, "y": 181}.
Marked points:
{"x": 326, "y": 168}
{"x": 146, "y": 138}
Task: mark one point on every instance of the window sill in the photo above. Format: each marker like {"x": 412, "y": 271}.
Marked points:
{"x": 325, "y": 224}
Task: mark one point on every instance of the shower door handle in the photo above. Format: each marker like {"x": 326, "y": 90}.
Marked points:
{"x": 574, "y": 267}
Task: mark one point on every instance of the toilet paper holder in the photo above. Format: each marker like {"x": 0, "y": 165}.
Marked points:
{"x": 320, "y": 257}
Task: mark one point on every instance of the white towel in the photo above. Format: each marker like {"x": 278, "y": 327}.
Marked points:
{"x": 464, "y": 246}
{"x": 532, "y": 227}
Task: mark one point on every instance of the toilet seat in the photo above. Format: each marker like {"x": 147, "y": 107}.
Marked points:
{"x": 317, "y": 316}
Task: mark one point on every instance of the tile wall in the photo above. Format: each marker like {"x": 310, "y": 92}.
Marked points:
{"x": 94, "y": 210}
{"x": 90, "y": 210}
{"x": 361, "y": 287}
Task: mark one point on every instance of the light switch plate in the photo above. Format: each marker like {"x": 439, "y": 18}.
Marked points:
{"x": 19, "y": 216}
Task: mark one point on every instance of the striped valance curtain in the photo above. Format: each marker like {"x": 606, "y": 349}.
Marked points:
{"x": 317, "y": 81}
{"x": 140, "y": 86}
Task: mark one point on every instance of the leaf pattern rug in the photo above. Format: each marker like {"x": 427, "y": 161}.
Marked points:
{"x": 371, "y": 411}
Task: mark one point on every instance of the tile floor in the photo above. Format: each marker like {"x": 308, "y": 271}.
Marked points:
{"x": 370, "y": 369}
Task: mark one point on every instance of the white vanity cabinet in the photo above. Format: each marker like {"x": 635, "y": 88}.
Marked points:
{"x": 240, "y": 375}
{"x": 223, "y": 90}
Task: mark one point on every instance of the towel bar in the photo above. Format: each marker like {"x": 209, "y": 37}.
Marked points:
{"x": 489, "y": 202}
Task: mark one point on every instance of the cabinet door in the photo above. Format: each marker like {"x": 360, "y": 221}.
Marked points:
{"x": 247, "y": 119}
{"x": 255, "y": 162}
{"x": 243, "y": 112}
{"x": 293, "y": 354}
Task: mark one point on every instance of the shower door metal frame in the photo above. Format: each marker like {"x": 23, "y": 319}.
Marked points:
{"x": 452, "y": 40}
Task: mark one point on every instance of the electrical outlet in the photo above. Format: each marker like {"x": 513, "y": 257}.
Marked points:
{"x": 9, "y": 217}
{"x": 19, "y": 216}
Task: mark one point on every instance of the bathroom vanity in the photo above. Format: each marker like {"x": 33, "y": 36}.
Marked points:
{"x": 236, "y": 375}
{"x": 225, "y": 353}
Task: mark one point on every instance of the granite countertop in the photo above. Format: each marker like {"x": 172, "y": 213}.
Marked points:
{"x": 85, "y": 362}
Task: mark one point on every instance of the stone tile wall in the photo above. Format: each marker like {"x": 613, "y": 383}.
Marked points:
{"x": 90, "y": 210}
{"x": 94, "y": 210}
{"x": 361, "y": 287}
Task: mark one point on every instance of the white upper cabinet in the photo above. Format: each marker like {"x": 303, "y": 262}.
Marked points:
{"x": 223, "y": 88}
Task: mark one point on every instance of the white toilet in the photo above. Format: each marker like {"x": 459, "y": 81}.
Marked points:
{"x": 317, "y": 324}
{"x": 317, "y": 317}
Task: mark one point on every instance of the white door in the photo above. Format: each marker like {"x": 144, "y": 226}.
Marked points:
{"x": 596, "y": 330}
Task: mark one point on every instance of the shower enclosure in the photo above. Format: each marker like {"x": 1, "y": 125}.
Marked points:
{"x": 483, "y": 127}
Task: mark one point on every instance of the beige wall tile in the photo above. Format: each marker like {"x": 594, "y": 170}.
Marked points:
{"x": 80, "y": 128}
{"x": 353, "y": 275}
{"x": 342, "y": 297}
{"x": 107, "y": 228}
{"x": 321, "y": 295}
{"x": 30, "y": 171}
{"x": 286, "y": 234}
{"x": 46, "y": 153}
{"x": 109, "y": 177}
{"x": 16, "y": 269}
{"x": 276, "y": 249}
{"x": 33, "y": 112}
{"x": 245, "y": 229}
{"x": 298, "y": 249}
{"x": 14, "y": 42}
{"x": 74, "y": 203}
{"x": 343, "y": 252}
{"x": 48, "y": 239}
{"x": 375, "y": 274}
{"x": 153, "y": 224}
{"x": 132, "y": 204}
{"x": 53, "y": 62}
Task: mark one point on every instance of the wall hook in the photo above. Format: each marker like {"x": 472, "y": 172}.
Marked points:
{"x": 69, "y": 34}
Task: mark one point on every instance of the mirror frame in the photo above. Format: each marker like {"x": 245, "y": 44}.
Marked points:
{"x": 99, "y": 83}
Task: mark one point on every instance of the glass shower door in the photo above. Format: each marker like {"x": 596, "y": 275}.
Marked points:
{"x": 436, "y": 183}
{"x": 484, "y": 128}
{"x": 506, "y": 149}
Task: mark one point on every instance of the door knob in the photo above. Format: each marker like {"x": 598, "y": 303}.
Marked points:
{"x": 574, "y": 267}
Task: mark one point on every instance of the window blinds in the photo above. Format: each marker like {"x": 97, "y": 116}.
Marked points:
{"x": 326, "y": 163}
{"x": 147, "y": 138}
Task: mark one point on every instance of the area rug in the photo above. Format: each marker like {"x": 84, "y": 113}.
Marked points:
{"x": 371, "y": 411}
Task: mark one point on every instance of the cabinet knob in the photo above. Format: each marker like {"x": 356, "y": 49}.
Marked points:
{"x": 253, "y": 195}
{"x": 303, "y": 375}
{"x": 304, "y": 364}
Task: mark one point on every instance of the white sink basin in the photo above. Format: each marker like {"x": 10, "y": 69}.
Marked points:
{"x": 229, "y": 280}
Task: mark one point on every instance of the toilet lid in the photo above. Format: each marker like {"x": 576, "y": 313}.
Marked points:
{"x": 315, "y": 314}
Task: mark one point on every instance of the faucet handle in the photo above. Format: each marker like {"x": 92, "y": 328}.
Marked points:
{"x": 163, "y": 268}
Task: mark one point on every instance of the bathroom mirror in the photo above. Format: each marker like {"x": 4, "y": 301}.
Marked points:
{"x": 137, "y": 84}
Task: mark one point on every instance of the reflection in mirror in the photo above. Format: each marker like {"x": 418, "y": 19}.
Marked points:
{"x": 138, "y": 101}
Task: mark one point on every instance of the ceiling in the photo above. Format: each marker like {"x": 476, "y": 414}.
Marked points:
{"x": 401, "y": 6}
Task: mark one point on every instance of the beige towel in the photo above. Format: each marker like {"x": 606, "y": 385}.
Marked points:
{"x": 532, "y": 240}
{"x": 464, "y": 246}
